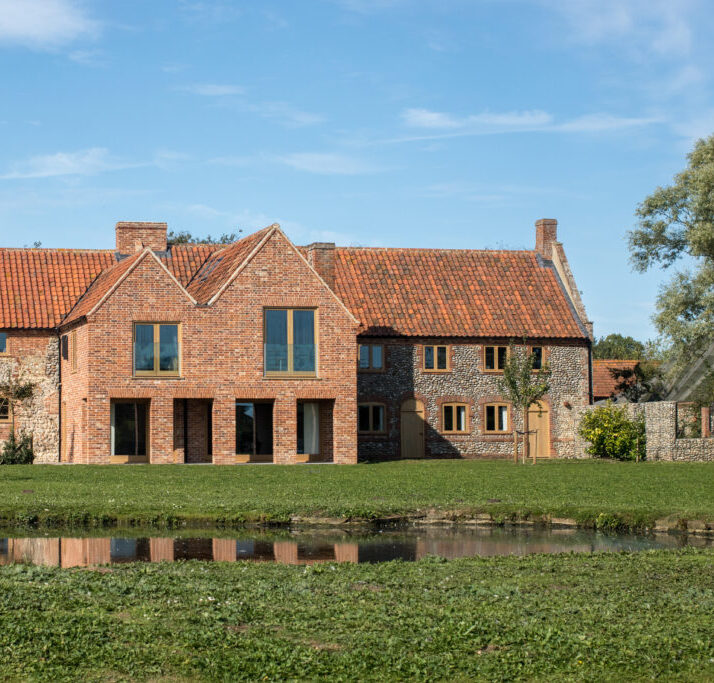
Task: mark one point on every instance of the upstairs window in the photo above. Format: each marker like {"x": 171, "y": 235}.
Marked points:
{"x": 496, "y": 418}
{"x": 156, "y": 349}
{"x": 290, "y": 347}
{"x": 371, "y": 357}
{"x": 436, "y": 358}
{"x": 3, "y": 342}
{"x": 370, "y": 418}
{"x": 453, "y": 418}
{"x": 537, "y": 353}
{"x": 494, "y": 358}
{"x": 73, "y": 350}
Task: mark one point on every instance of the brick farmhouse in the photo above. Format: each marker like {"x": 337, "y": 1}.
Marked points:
{"x": 263, "y": 351}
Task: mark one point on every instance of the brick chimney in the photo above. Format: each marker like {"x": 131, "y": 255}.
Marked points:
{"x": 321, "y": 256}
{"x": 132, "y": 236}
{"x": 546, "y": 236}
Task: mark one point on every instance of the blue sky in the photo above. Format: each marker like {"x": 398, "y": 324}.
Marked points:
{"x": 430, "y": 123}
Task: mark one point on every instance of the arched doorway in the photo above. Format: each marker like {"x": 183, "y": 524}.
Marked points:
{"x": 412, "y": 428}
{"x": 539, "y": 428}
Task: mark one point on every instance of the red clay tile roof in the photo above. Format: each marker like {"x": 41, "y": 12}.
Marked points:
{"x": 101, "y": 286}
{"x": 184, "y": 260}
{"x": 39, "y": 286}
{"x": 603, "y": 382}
{"x": 453, "y": 293}
{"x": 221, "y": 264}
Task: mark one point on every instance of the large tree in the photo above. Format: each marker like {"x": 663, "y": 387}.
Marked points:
{"x": 676, "y": 225}
{"x": 619, "y": 347}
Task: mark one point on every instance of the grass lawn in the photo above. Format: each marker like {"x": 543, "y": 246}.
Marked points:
{"x": 576, "y": 617}
{"x": 590, "y": 491}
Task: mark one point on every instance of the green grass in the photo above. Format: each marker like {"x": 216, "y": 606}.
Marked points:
{"x": 594, "y": 492}
{"x": 596, "y": 617}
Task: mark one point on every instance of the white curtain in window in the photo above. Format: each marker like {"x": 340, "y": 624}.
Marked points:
{"x": 311, "y": 417}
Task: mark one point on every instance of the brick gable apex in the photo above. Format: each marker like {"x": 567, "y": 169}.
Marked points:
{"x": 109, "y": 280}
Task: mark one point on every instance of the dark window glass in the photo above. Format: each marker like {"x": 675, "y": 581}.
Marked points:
{"x": 490, "y": 363}
{"x": 441, "y": 357}
{"x": 4, "y": 410}
{"x": 429, "y": 357}
{"x": 537, "y": 357}
{"x": 490, "y": 418}
{"x": 364, "y": 357}
{"x": 502, "y": 357}
{"x": 304, "y": 341}
{"x": 130, "y": 428}
{"x": 3, "y": 342}
{"x": 168, "y": 348}
{"x": 363, "y": 418}
{"x": 245, "y": 428}
{"x": 144, "y": 348}
{"x": 65, "y": 347}
{"x": 276, "y": 341}
{"x": 377, "y": 357}
{"x": 448, "y": 418}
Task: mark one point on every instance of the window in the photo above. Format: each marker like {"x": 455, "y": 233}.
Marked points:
{"x": 4, "y": 409}
{"x": 308, "y": 428}
{"x": 371, "y": 357}
{"x": 496, "y": 417}
{"x": 73, "y": 350}
{"x": 436, "y": 358}
{"x": 290, "y": 341}
{"x": 370, "y": 418}
{"x": 453, "y": 417}
{"x": 254, "y": 428}
{"x": 129, "y": 428}
{"x": 156, "y": 349}
{"x": 537, "y": 353}
{"x": 494, "y": 358}
{"x": 3, "y": 342}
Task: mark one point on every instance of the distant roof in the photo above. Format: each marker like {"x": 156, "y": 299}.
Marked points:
{"x": 604, "y": 384}
{"x": 454, "y": 293}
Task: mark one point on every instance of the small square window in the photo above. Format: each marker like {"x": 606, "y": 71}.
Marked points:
{"x": 454, "y": 417}
{"x": 3, "y": 342}
{"x": 496, "y": 418}
{"x": 436, "y": 358}
{"x": 156, "y": 349}
{"x": 494, "y": 358}
{"x": 370, "y": 418}
{"x": 371, "y": 357}
{"x": 4, "y": 410}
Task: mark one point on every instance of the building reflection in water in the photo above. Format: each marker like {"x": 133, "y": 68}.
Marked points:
{"x": 411, "y": 544}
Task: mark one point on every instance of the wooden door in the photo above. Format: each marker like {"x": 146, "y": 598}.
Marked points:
{"x": 412, "y": 422}
{"x": 539, "y": 426}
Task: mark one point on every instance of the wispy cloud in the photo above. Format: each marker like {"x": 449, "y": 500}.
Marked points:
{"x": 369, "y": 6}
{"x": 285, "y": 113}
{"x": 328, "y": 164}
{"x": 212, "y": 89}
{"x": 44, "y": 24}
{"x": 424, "y": 118}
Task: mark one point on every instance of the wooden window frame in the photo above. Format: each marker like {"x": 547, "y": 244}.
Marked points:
{"x": 436, "y": 356}
{"x": 454, "y": 406}
{"x": 4, "y": 352}
{"x": 495, "y": 371}
{"x": 371, "y": 367}
{"x": 5, "y": 420}
{"x": 370, "y": 405}
{"x": 498, "y": 404}
{"x": 543, "y": 355}
{"x": 290, "y": 341}
{"x": 157, "y": 356}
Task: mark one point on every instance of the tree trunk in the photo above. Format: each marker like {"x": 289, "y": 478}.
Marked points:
{"x": 526, "y": 437}
{"x": 515, "y": 445}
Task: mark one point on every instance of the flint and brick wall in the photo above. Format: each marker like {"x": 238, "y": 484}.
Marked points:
{"x": 465, "y": 382}
{"x": 661, "y": 432}
{"x": 33, "y": 356}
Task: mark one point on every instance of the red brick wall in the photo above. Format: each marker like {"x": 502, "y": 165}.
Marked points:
{"x": 222, "y": 357}
{"x": 152, "y": 235}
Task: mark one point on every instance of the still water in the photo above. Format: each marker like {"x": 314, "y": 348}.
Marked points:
{"x": 309, "y": 547}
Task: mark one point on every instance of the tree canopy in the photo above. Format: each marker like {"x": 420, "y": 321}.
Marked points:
{"x": 618, "y": 346}
{"x": 185, "y": 237}
{"x": 676, "y": 225}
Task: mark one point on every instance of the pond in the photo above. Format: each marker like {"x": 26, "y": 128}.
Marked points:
{"x": 73, "y": 549}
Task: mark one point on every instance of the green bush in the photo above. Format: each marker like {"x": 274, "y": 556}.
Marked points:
{"x": 612, "y": 434}
{"x": 17, "y": 451}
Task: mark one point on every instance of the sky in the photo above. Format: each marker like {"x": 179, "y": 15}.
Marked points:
{"x": 406, "y": 123}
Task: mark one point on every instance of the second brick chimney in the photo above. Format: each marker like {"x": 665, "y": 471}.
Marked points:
{"x": 133, "y": 236}
{"x": 321, "y": 256}
{"x": 546, "y": 236}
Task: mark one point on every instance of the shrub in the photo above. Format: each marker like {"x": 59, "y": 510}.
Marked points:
{"x": 612, "y": 434}
{"x": 17, "y": 451}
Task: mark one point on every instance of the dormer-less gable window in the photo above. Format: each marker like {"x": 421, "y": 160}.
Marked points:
{"x": 3, "y": 342}
{"x": 157, "y": 349}
{"x": 290, "y": 341}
